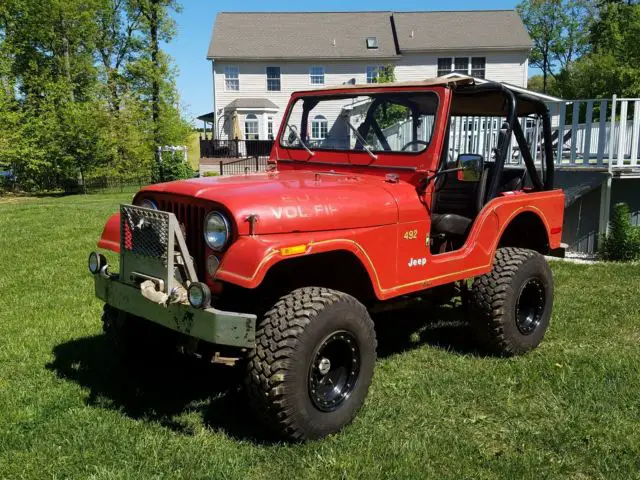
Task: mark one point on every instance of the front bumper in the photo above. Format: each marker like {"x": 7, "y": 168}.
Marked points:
{"x": 209, "y": 324}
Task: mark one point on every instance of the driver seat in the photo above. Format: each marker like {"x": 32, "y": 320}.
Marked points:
{"x": 456, "y": 205}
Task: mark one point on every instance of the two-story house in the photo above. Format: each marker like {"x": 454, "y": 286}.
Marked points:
{"x": 258, "y": 59}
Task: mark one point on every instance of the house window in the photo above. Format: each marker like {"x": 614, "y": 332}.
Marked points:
{"x": 372, "y": 74}
{"x": 372, "y": 42}
{"x": 270, "y": 128}
{"x": 316, "y": 75}
{"x": 273, "y": 79}
{"x": 444, "y": 66}
{"x": 231, "y": 78}
{"x": 474, "y": 66}
{"x": 251, "y": 127}
{"x": 461, "y": 65}
{"x": 319, "y": 127}
{"x": 477, "y": 66}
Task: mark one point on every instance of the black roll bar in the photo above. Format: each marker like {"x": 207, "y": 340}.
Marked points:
{"x": 514, "y": 127}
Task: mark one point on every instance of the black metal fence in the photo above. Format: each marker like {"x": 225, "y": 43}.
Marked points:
{"x": 234, "y": 148}
{"x": 243, "y": 165}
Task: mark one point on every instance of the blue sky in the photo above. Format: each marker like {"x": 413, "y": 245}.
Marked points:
{"x": 195, "y": 22}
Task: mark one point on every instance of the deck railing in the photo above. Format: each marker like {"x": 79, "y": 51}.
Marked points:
{"x": 600, "y": 133}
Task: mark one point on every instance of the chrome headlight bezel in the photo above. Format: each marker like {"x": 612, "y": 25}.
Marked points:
{"x": 225, "y": 228}
{"x": 149, "y": 203}
{"x": 146, "y": 202}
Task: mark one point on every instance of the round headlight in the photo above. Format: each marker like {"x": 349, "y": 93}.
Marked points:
{"x": 199, "y": 295}
{"x": 148, "y": 203}
{"x": 96, "y": 261}
{"x": 216, "y": 230}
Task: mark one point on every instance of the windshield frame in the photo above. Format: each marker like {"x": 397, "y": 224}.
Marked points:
{"x": 373, "y": 92}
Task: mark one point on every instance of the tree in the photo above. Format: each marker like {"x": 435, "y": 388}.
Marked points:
{"x": 612, "y": 62}
{"x": 536, "y": 83}
{"x": 85, "y": 89}
{"x": 559, "y": 30}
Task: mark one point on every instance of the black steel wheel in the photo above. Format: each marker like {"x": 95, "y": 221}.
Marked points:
{"x": 513, "y": 302}
{"x": 314, "y": 358}
{"x": 530, "y": 306}
{"x": 334, "y": 371}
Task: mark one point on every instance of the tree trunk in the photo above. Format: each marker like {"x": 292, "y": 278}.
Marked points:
{"x": 67, "y": 66}
{"x": 545, "y": 67}
{"x": 155, "y": 80}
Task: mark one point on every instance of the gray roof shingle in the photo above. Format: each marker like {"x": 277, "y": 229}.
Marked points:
{"x": 342, "y": 35}
{"x": 301, "y": 35}
{"x": 478, "y": 29}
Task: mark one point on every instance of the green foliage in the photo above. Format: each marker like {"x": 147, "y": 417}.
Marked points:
{"x": 536, "y": 83}
{"x": 389, "y": 114}
{"x": 559, "y": 29}
{"x": 171, "y": 166}
{"x": 584, "y": 49}
{"x": 623, "y": 240}
{"x": 85, "y": 89}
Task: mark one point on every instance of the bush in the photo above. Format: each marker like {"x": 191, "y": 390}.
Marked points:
{"x": 622, "y": 243}
{"x": 210, "y": 174}
{"x": 172, "y": 167}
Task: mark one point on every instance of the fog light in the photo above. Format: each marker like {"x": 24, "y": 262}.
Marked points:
{"x": 199, "y": 295}
{"x": 96, "y": 262}
{"x": 212, "y": 264}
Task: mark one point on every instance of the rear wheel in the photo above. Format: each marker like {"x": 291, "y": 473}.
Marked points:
{"x": 513, "y": 302}
{"x": 313, "y": 363}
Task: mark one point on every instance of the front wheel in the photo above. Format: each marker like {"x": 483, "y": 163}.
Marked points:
{"x": 513, "y": 302}
{"x": 313, "y": 362}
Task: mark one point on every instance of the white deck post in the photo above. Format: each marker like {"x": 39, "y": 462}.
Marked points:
{"x": 605, "y": 206}
{"x": 612, "y": 130}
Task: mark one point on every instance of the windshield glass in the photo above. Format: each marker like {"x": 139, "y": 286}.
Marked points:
{"x": 397, "y": 122}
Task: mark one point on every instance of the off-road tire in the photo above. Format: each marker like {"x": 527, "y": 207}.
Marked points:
{"x": 495, "y": 299}
{"x": 279, "y": 368}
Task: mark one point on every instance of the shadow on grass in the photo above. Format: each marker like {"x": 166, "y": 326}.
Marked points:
{"x": 164, "y": 388}
{"x": 159, "y": 390}
{"x": 445, "y": 326}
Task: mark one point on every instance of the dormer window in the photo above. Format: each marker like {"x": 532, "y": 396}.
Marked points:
{"x": 372, "y": 42}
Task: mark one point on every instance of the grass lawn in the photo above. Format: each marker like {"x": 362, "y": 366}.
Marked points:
{"x": 570, "y": 409}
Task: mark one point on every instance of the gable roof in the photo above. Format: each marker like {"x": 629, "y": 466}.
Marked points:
{"x": 301, "y": 35}
{"x": 342, "y": 35}
{"x": 468, "y": 30}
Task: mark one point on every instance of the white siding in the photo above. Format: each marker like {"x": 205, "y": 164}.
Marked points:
{"x": 293, "y": 76}
{"x": 508, "y": 67}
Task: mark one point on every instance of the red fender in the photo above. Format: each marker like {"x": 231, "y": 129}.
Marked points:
{"x": 110, "y": 239}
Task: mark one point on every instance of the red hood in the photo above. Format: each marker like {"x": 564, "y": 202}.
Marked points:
{"x": 291, "y": 201}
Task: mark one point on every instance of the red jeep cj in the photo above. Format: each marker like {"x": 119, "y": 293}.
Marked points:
{"x": 374, "y": 195}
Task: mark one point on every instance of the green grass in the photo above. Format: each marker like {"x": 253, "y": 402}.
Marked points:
{"x": 570, "y": 409}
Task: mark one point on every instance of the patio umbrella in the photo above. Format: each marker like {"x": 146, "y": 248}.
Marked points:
{"x": 236, "y": 133}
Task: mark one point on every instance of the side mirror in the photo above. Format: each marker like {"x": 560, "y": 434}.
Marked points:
{"x": 470, "y": 167}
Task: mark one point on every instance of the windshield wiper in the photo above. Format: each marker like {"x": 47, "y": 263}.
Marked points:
{"x": 360, "y": 137}
{"x": 294, "y": 129}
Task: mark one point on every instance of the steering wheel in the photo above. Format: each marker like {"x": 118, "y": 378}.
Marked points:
{"x": 415, "y": 142}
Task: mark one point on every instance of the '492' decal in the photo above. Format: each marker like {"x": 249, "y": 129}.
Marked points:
{"x": 410, "y": 234}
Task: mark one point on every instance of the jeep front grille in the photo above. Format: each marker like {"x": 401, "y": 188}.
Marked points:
{"x": 191, "y": 219}
{"x": 144, "y": 232}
